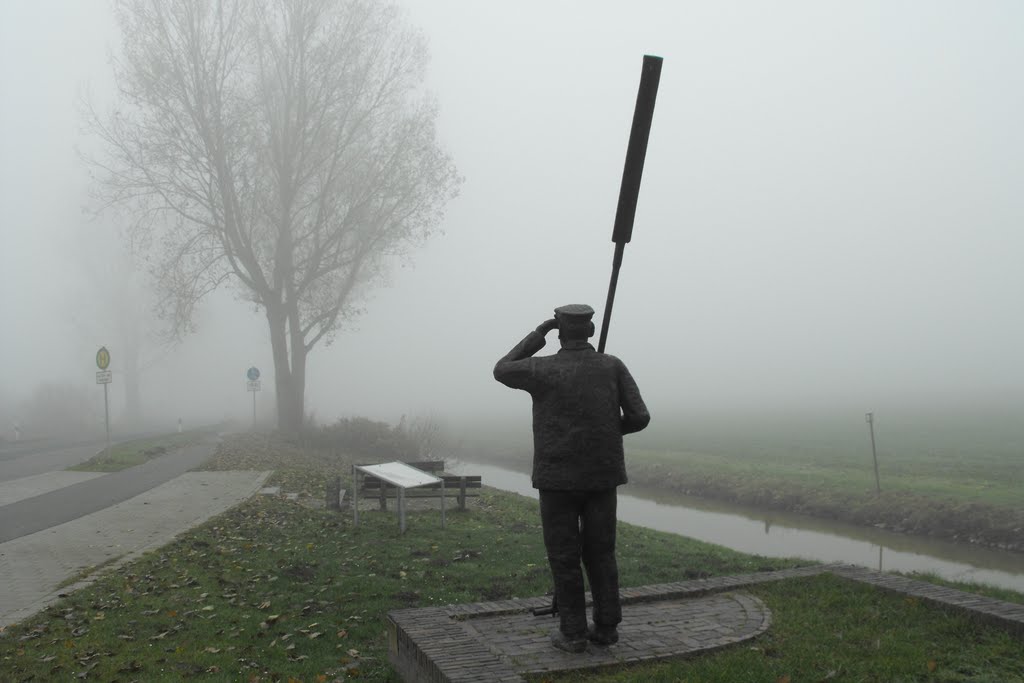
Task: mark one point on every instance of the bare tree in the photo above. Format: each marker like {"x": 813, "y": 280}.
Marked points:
{"x": 113, "y": 306}
{"x": 282, "y": 144}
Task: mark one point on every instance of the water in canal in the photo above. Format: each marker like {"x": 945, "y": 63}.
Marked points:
{"x": 780, "y": 534}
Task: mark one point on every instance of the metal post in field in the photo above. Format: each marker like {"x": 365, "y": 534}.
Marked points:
{"x": 401, "y": 509}
{"x": 442, "y": 504}
{"x": 870, "y": 419}
{"x": 355, "y": 495}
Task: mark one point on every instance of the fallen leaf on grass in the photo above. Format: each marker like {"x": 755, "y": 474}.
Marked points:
{"x": 212, "y": 650}
{"x": 932, "y": 665}
{"x": 782, "y": 679}
{"x": 131, "y": 666}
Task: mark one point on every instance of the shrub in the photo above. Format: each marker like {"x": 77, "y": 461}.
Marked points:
{"x": 365, "y": 438}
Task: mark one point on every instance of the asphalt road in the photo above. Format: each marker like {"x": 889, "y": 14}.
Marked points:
{"x": 39, "y": 456}
{"x": 68, "y": 503}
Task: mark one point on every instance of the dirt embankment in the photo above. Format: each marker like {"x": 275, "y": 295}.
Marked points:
{"x": 987, "y": 525}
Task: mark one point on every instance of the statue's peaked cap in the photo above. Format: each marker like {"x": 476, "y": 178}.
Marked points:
{"x": 577, "y": 311}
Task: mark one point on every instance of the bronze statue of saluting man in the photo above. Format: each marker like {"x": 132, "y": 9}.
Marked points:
{"x": 583, "y": 403}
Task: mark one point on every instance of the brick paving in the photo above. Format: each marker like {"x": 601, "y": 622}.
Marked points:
{"x": 650, "y": 630}
{"x": 502, "y": 641}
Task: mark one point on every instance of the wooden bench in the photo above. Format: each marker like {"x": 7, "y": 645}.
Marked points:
{"x": 455, "y": 485}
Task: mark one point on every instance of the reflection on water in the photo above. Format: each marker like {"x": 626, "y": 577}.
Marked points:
{"x": 777, "y": 534}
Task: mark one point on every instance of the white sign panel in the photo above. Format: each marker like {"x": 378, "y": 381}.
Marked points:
{"x": 104, "y": 377}
{"x": 252, "y": 385}
{"x": 399, "y": 474}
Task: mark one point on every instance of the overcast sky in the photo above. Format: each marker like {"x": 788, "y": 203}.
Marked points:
{"x": 831, "y": 211}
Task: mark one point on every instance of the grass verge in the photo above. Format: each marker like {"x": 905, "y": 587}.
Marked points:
{"x": 131, "y": 453}
{"x": 278, "y": 590}
{"x": 843, "y": 491}
{"x": 829, "y": 629}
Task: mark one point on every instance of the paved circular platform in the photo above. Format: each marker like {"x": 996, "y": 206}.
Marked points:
{"x": 649, "y": 630}
{"x": 501, "y": 641}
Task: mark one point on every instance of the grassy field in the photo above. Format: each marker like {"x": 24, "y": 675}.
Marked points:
{"x": 130, "y": 453}
{"x": 278, "y": 590}
{"x": 988, "y": 470}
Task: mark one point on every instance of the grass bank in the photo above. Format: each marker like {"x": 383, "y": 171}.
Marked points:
{"x": 974, "y": 501}
{"x": 280, "y": 590}
{"x": 127, "y": 454}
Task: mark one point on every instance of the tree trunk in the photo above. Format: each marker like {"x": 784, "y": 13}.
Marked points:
{"x": 294, "y": 406}
{"x": 289, "y": 370}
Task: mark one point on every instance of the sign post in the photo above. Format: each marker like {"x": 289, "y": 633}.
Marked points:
{"x": 104, "y": 377}
{"x": 253, "y": 384}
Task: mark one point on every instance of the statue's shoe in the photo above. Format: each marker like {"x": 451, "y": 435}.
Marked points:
{"x": 602, "y": 635}
{"x": 568, "y": 644}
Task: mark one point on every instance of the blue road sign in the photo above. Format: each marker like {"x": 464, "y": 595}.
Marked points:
{"x": 253, "y": 374}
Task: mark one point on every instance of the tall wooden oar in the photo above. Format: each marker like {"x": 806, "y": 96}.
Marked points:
{"x": 650, "y": 75}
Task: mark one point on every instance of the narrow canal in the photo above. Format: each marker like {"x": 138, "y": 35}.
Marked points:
{"x": 779, "y": 534}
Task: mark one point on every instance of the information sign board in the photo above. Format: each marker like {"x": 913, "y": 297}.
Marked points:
{"x": 104, "y": 377}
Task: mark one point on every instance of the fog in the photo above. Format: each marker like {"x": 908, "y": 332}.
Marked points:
{"x": 829, "y": 222}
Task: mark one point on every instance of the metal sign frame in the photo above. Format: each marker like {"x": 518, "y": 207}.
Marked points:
{"x": 402, "y": 477}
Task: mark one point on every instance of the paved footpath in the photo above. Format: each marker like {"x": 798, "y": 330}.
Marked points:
{"x": 47, "y": 509}
{"x": 32, "y": 566}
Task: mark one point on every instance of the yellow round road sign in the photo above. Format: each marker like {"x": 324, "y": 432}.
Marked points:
{"x": 103, "y": 358}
